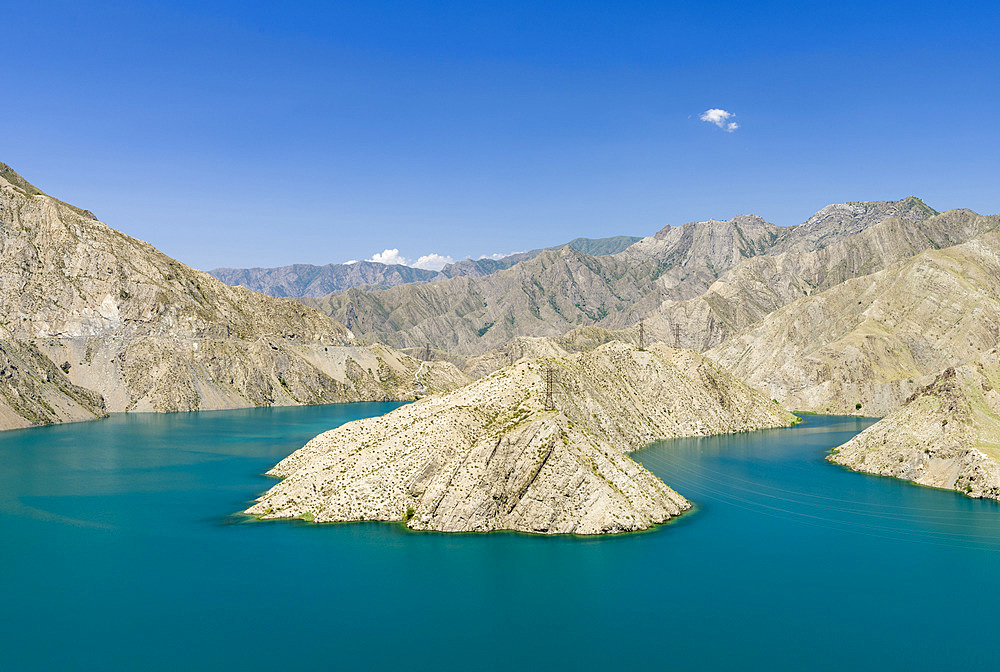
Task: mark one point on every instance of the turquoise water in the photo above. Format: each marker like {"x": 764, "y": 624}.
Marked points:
{"x": 121, "y": 553}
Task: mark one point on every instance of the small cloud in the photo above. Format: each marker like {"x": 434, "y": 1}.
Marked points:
{"x": 433, "y": 262}
{"x": 496, "y": 256}
{"x": 352, "y": 261}
{"x": 720, "y": 118}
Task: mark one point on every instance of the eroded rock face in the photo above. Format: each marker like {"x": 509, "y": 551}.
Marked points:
{"x": 489, "y": 456}
{"x": 149, "y": 333}
{"x": 34, "y": 391}
{"x": 946, "y": 435}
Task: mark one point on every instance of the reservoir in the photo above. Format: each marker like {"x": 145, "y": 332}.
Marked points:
{"x": 122, "y": 551}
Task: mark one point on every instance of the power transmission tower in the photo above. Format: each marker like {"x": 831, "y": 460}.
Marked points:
{"x": 677, "y": 335}
{"x": 642, "y": 336}
{"x": 427, "y": 353}
{"x": 550, "y": 377}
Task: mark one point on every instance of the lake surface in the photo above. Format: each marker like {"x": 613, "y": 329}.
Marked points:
{"x": 120, "y": 552}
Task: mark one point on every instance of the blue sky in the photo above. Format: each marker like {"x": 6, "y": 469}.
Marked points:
{"x": 242, "y": 134}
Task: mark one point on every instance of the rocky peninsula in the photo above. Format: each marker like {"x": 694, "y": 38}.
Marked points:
{"x": 494, "y": 455}
{"x": 947, "y": 435}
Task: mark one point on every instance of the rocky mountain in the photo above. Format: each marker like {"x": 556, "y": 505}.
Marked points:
{"x": 308, "y": 280}
{"x": 545, "y": 296}
{"x": 118, "y": 318}
{"x": 315, "y": 281}
{"x": 866, "y": 344}
{"x": 696, "y": 284}
{"x": 946, "y": 435}
{"x": 490, "y": 456}
{"x": 839, "y": 221}
{"x": 755, "y": 288}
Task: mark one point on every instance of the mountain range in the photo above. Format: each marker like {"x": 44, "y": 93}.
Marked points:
{"x": 696, "y": 284}
{"x": 886, "y": 308}
{"x": 309, "y": 280}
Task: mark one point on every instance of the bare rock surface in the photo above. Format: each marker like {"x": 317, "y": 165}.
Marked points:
{"x": 146, "y": 332}
{"x": 947, "y": 434}
{"x": 872, "y": 341}
{"x": 34, "y": 391}
{"x": 489, "y": 456}
{"x": 696, "y": 284}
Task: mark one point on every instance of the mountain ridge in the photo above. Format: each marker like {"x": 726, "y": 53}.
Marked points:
{"x": 650, "y": 280}
{"x": 307, "y": 280}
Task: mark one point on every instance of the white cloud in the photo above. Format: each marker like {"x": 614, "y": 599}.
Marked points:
{"x": 496, "y": 256}
{"x": 720, "y": 118}
{"x": 433, "y": 262}
{"x": 388, "y": 256}
{"x": 430, "y": 262}
{"x": 352, "y": 261}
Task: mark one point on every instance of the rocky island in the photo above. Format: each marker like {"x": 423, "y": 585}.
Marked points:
{"x": 494, "y": 455}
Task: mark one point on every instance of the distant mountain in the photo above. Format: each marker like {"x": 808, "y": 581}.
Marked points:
{"x": 315, "y": 281}
{"x": 308, "y": 280}
{"x": 599, "y": 247}
{"x": 96, "y": 321}
{"x": 695, "y": 284}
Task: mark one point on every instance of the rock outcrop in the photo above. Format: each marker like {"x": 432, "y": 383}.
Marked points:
{"x": 34, "y": 391}
{"x": 489, "y": 456}
{"x": 115, "y": 316}
{"x": 946, "y": 435}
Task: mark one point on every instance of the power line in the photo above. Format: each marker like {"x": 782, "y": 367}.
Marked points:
{"x": 550, "y": 378}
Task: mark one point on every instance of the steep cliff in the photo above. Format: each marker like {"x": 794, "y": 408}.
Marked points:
{"x": 34, "y": 391}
